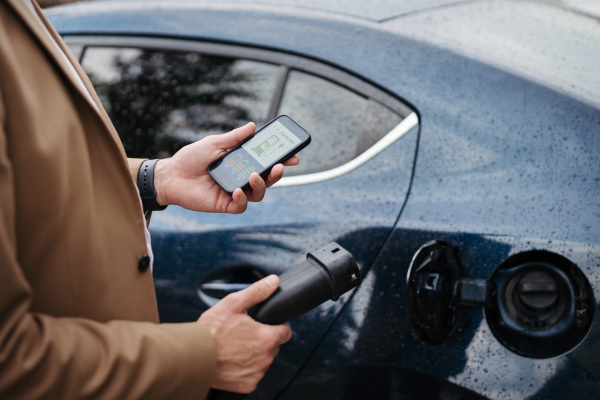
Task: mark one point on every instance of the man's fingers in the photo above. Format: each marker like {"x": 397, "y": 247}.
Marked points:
{"x": 275, "y": 175}
{"x": 232, "y": 138}
{"x": 259, "y": 291}
{"x": 294, "y": 160}
{"x": 258, "y": 187}
{"x": 244, "y": 347}
{"x": 239, "y": 202}
{"x": 284, "y": 333}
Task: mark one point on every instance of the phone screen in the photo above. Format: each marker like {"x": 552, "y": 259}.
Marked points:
{"x": 272, "y": 144}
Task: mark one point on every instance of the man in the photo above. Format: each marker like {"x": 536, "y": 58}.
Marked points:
{"x": 78, "y": 315}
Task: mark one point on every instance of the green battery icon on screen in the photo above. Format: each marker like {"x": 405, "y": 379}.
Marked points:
{"x": 266, "y": 145}
{"x": 246, "y": 173}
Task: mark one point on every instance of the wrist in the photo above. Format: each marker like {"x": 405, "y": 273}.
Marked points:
{"x": 160, "y": 182}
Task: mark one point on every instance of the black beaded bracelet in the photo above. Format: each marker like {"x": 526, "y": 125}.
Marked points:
{"x": 145, "y": 182}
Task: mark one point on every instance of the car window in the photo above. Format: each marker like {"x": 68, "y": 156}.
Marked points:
{"x": 343, "y": 124}
{"x": 161, "y": 100}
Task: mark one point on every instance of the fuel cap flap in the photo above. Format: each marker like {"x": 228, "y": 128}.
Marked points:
{"x": 537, "y": 304}
{"x": 432, "y": 276}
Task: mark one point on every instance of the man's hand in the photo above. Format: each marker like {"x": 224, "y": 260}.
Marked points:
{"x": 183, "y": 180}
{"x": 245, "y": 348}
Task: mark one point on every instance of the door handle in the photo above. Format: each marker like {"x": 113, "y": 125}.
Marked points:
{"x": 219, "y": 290}
{"x": 226, "y": 281}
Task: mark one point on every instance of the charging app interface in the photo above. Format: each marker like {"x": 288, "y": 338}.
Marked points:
{"x": 256, "y": 154}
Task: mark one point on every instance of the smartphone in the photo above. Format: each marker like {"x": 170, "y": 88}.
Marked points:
{"x": 274, "y": 143}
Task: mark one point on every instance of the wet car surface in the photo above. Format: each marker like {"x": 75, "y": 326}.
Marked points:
{"x": 456, "y": 155}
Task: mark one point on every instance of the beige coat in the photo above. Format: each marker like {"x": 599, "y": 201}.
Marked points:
{"x": 77, "y": 317}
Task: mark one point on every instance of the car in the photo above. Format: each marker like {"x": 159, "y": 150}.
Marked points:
{"x": 455, "y": 154}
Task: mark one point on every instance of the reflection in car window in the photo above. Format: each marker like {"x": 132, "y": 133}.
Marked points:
{"x": 160, "y": 101}
{"x": 342, "y": 123}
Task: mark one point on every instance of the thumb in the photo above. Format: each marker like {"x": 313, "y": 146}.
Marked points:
{"x": 232, "y": 138}
{"x": 259, "y": 291}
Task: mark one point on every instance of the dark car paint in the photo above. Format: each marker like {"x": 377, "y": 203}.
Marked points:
{"x": 504, "y": 165}
{"x": 273, "y": 245}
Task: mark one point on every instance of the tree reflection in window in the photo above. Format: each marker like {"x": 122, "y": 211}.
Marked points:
{"x": 160, "y": 101}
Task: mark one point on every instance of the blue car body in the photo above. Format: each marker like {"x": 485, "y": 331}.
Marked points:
{"x": 499, "y": 156}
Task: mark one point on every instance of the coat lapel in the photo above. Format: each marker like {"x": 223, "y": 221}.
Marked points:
{"x": 25, "y": 14}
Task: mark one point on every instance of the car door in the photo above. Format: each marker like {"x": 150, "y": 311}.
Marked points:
{"x": 349, "y": 188}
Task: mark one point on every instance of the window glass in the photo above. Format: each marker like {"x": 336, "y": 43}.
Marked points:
{"x": 160, "y": 101}
{"x": 342, "y": 123}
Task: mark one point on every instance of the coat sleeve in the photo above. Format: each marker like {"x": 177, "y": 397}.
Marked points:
{"x": 134, "y": 167}
{"x": 47, "y": 357}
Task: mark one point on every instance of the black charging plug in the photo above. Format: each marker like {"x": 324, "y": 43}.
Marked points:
{"x": 326, "y": 274}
